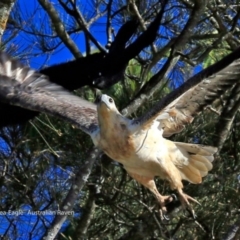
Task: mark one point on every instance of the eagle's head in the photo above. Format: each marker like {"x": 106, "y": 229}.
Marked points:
{"x": 107, "y": 111}
{"x": 106, "y": 104}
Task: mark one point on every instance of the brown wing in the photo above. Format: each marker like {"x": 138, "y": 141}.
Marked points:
{"x": 183, "y": 104}
{"x": 29, "y": 89}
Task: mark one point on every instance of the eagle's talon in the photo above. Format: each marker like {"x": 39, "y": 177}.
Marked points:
{"x": 163, "y": 201}
{"x": 194, "y": 215}
{"x": 165, "y": 217}
{"x": 174, "y": 197}
{"x": 163, "y": 214}
{"x": 184, "y": 199}
{"x": 191, "y": 213}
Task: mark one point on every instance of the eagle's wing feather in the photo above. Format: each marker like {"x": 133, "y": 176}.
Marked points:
{"x": 183, "y": 104}
{"x": 19, "y": 85}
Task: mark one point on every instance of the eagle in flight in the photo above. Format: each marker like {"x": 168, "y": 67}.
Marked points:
{"x": 138, "y": 144}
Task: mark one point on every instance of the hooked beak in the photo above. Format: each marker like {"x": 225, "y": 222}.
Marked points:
{"x": 102, "y": 99}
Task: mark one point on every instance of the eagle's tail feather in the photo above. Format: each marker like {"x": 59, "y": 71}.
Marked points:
{"x": 200, "y": 161}
{"x": 198, "y": 149}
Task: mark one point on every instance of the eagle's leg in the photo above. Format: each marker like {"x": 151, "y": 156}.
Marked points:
{"x": 184, "y": 198}
{"x": 149, "y": 183}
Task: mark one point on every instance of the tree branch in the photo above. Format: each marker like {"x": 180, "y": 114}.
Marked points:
{"x": 59, "y": 28}
{"x": 68, "y": 204}
{"x": 186, "y": 33}
{"x": 5, "y": 9}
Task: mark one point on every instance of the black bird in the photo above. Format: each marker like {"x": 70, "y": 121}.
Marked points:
{"x": 99, "y": 70}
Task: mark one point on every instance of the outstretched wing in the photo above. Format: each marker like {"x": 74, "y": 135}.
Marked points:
{"x": 21, "y": 86}
{"x": 183, "y": 104}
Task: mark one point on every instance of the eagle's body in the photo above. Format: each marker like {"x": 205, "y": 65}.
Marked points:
{"x": 145, "y": 153}
{"x": 140, "y": 151}
{"x": 130, "y": 145}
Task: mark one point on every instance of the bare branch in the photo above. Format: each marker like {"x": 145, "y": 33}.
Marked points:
{"x": 87, "y": 214}
{"x": 59, "y": 28}
{"x": 5, "y": 9}
{"x": 81, "y": 22}
{"x": 68, "y": 203}
{"x": 140, "y": 19}
{"x": 186, "y": 33}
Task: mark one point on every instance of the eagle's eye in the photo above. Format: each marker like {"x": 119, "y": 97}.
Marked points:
{"x": 110, "y": 100}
